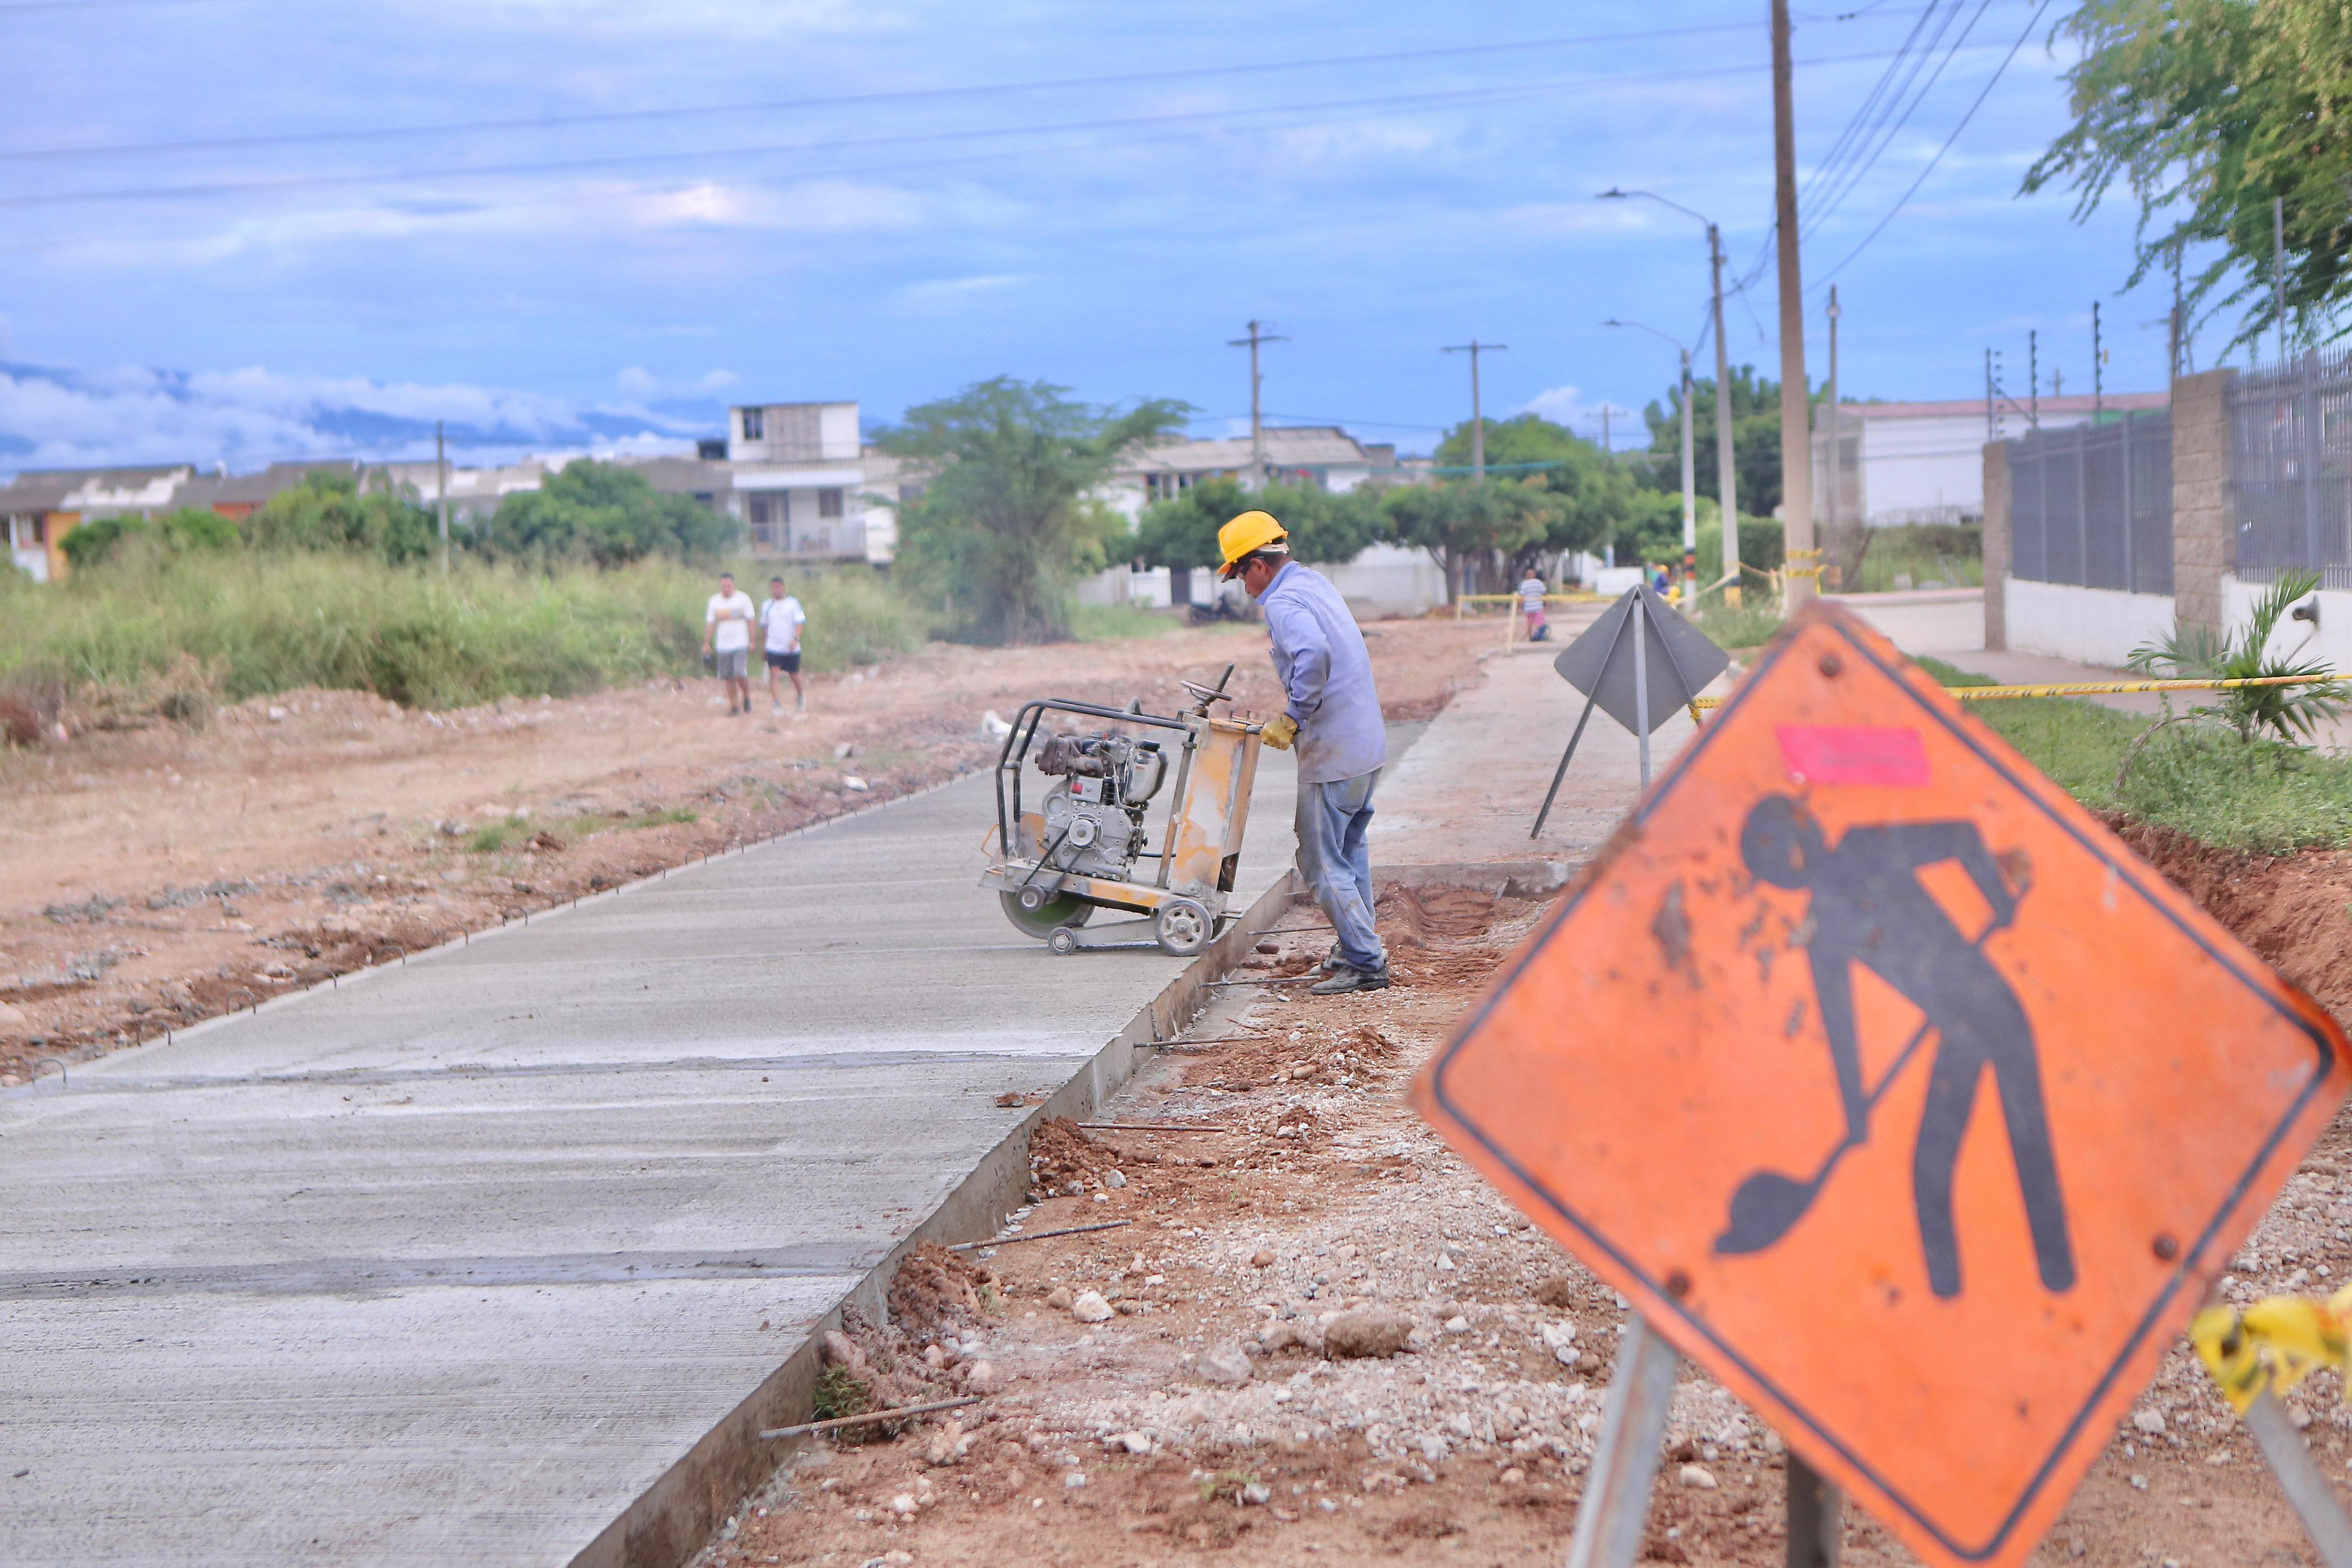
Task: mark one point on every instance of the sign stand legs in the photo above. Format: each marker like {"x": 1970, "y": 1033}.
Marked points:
{"x": 1616, "y": 1503}
{"x": 1640, "y": 619}
{"x": 2314, "y": 1499}
{"x": 1816, "y": 1518}
{"x": 1582, "y": 719}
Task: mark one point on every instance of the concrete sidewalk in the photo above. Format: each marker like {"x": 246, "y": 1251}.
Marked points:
{"x": 497, "y": 1256}
{"x": 1468, "y": 791}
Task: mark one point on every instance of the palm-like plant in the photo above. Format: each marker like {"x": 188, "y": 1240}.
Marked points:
{"x": 2287, "y": 713}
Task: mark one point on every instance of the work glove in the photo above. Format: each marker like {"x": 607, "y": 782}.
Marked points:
{"x": 1280, "y": 731}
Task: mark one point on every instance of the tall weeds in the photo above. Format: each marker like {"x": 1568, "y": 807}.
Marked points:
{"x": 259, "y": 624}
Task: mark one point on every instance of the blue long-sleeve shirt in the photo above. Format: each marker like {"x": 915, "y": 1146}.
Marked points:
{"x": 1327, "y": 676}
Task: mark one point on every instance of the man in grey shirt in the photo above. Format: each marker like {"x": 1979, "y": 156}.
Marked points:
{"x": 1332, "y": 711}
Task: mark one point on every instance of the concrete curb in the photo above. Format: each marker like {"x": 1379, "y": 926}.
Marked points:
{"x": 677, "y": 1514}
{"x": 671, "y": 1523}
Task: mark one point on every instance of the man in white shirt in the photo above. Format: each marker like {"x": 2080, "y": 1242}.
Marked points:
{"x": 783, "y": 619}
{"x": 727, "y": 638}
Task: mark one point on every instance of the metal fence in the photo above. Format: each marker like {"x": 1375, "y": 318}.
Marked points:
{"x": 2291, "y": 467}
{"x": 2091, "y": 505}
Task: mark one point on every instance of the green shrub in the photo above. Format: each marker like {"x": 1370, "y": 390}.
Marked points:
{"x": 604, "y": 513}
{"x": 190, "y": 529}
{"x": 328, "y": 511}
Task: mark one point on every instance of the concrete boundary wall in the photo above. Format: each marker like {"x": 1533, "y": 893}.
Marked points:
{"x": 2088, "y": 625}
{"x": 1999, "y": 543}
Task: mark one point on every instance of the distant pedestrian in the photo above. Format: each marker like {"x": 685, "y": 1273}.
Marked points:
{"x": 783, "y": 618}
{"x": 727, "y": 636}
{"x": 1531, "y": 602}
{"x": 1660, "y": 580}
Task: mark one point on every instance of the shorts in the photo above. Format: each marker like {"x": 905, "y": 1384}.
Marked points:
{"x": 733, "y": 663}
{"x": 788, "y": 663}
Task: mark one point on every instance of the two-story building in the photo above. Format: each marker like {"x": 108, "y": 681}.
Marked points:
{"x": 806, "y": 485}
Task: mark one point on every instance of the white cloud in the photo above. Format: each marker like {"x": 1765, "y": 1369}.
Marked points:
{"x": 1559, "y": 404}
{"x": 244, "y": 418}
{"x": 950, "y": 293}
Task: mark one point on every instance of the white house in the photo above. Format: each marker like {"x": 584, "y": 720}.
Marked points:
{"x": 1321, "y": 454}
{"x": 806, "y": 487}
{"x": 1924, "y": 462}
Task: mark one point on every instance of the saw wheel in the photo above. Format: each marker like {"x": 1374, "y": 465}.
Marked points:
{"x": 1063, "y": 909}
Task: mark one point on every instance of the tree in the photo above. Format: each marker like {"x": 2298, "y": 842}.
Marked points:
{"x": 1593, "y": 499}
{"x": 188, "y": 528}
{"x": 1755, "y": 441}
{"x": 1006, "y": 526}
{"x": 1462, "y": 522}
{"x": 328, "y": 511}
{"x": 1182, "y": 531}
{"x": 604, "y": 513}
{"x": 2206, "y": 110}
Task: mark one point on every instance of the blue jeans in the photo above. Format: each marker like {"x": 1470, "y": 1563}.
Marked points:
{"x": 1334, "y": 820}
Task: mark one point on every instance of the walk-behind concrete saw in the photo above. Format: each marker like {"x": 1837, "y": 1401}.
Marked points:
{"x": 1086, "y": 845}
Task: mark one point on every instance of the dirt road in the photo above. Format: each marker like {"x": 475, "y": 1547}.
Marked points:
{"x": 157, "y": 874}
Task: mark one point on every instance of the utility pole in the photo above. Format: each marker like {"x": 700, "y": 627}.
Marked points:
{"x": 1803, "y": 581}
{"x": 2278, "y": 271}
{"x": 2098, "y": 376}
{"x": 1990, "y": 435}
{"x": 1474, "y": 348}
{"x": 1257, "y": 335}
{"x": 1690, "y": 493}
{"x": 2034, "y": 378}
{"x": 1726, "y": 482}
{"x": 1835, "y": 468}
{"x": 441, "y": 489}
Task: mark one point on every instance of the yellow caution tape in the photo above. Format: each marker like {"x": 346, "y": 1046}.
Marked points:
{"x": 2099, "y": 688}
{"x": 2274, "y": 1345}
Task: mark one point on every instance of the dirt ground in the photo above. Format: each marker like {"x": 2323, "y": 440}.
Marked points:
{"x": 152, "y": 874}
{"x": 1208, "y": 1414}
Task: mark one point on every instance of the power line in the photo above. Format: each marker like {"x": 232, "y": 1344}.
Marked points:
{"x": 912, "y": 95}
{"x": 2040, "y": 6}
{"x": 573, "y": 165}
{"x": 1854, "y": 178}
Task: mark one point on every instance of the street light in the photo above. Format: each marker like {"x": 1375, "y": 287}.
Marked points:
{"x": 1725, "y": 479}
{"x": 1690, "y": 491}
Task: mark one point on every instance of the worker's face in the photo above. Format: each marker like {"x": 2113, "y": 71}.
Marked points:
{"x": 1257, "y": 574}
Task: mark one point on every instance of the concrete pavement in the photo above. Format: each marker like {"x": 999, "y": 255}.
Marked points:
{"x": 502, "y": 1254}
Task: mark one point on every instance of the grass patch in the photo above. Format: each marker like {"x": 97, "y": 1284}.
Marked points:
{"x": 1923, "y": 555}
{"x": 1105, "y": 622}
{"x": 839, "y": 1391}
{"x": 489, "y": 841}
{"x": 1750, "y": 624}
{"x": 659, "y": 819}
{"x": 2263, "y": 797}
{"x": 253, "y": 624}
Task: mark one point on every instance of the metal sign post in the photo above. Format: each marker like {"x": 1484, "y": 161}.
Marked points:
{"x": 1625, "y": 1462}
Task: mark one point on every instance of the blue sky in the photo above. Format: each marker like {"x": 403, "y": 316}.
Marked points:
{"x": 234, "y": 230}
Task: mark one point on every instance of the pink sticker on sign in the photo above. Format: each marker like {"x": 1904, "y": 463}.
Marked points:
{"x": 1852, "y": 754}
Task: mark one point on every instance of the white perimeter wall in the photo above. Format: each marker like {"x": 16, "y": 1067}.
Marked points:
{"x": 1388, "y": 579}
{"x": 2088, "y": 625}
{"x": 2332, "y": 642}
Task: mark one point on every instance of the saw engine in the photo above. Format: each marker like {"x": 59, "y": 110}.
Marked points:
{"x": 1094, "y": 811}
{"x": 1080, "y": 844}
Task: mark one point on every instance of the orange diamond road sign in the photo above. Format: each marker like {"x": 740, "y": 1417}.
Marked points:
{"x": 1893, "y": 1089}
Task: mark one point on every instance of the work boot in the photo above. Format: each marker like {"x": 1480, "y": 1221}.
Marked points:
{"x": 1350, "y": 978}
{"x": 1332, "y": 962}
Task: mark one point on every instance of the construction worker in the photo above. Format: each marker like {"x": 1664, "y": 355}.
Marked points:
{"x": 1333, "y": 713}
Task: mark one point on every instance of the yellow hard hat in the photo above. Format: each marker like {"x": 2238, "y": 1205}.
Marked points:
{"x": 1250, "y": 532}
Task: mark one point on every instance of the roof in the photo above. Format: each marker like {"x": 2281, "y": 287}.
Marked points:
{"x": 1286, "y": 447}
{"x": 231, "y": 489}
{"x": 45, "y": 489}
{"x": 1974, "y": 407}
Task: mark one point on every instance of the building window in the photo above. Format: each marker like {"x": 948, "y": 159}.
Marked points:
{"x": 829, "y": 503}
{"x": 909, "y": 493}
{"x": 754, "y": 426}
{"x": 767, "y": 521}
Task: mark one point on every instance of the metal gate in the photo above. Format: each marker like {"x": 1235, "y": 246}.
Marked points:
{"x": 2291, "y": 451}
{"x": 2091, "y": 505}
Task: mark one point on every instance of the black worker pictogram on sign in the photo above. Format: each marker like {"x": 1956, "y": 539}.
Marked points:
{"x": 1889, "y": 1085}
